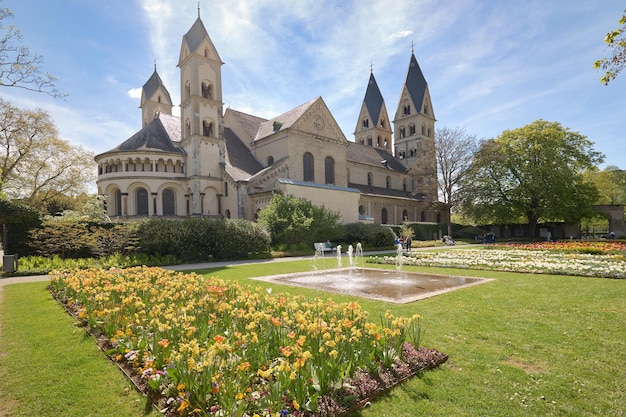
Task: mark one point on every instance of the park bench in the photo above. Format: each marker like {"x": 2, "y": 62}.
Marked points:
{"x": 324, "y": 247}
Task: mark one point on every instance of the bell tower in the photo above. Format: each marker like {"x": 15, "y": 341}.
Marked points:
{"x": 414, "y": 132}
{"x": 155, "y": 99}
{"x": 202, "y": 119}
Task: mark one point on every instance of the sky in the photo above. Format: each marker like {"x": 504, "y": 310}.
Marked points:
{"x": 491, "y": 65}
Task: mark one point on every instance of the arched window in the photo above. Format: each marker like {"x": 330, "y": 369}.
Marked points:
{"x": 308, "y": 165}
{"x": 369, "y": 141}
{"x": 207, "y": 128}
{"x": 270, "y": 161}
{"x": 370, "y": 179}
{"x": 361, "y": 210}
{"x": 407, "y": 110}
{"x": 227, "y": 214}
{"x": 423, "y": 130}
{"x": 187, "y": 128}
{"x": 379, "y": 141}
{"x": 402, "y": 132}
{"x": 187, "y": 89}
{"x": 141, "y": 196}
{"x": 207, "y": 91}
{"x": 423, "y": 217}
{"x": 411, "y": 129}
{"x": 366, "y": 123}
{"x": 329, "y": 170}
{"x": 383, "y": 216}
{"x": 117, "y": 209}
{"x": 169, "y": 202}
{"x": 405, "y": 215}
{"x": 388, "y": 182}
{"x": 382, "y": 123}
{"x": 225, "y": 189}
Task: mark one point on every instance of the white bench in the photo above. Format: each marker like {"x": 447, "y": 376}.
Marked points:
{"x": 320, "y": 246}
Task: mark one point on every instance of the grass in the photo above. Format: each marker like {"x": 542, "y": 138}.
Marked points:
{"x": 50, "y": 367}
{"x": 521, "y": 345}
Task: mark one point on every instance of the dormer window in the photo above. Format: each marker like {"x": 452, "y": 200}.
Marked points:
{"x": 276, "y": 126}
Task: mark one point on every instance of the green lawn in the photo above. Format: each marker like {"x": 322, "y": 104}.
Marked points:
{"x": 520, "y": 345}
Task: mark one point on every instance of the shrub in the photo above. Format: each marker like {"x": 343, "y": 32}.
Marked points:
{"x": 18, "y": 219}
{"x": 198, "y": 239}
{"x": 292, "y": 221}
{"x": 370, "y": 235}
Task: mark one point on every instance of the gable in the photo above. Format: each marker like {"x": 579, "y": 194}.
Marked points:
{"x": 312, "y": 117}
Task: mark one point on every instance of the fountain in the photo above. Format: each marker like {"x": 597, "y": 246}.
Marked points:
{"x": 338, "y": 256}
{"x": 399, "y": 259}
{"x": 350, "y": 250}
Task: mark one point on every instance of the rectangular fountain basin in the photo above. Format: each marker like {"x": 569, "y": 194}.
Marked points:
{"x": 394, "y": 286}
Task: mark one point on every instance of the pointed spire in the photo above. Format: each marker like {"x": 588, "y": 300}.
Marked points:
{"x": 415, "y": 82}
{"x": 373, "y": 99}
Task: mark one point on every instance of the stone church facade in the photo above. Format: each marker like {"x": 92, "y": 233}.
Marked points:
{"x": 212, "y": 163}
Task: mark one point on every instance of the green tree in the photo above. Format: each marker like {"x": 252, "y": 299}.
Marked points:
{"x": 611, "y": 184}
{"x": 294, "y": 221}
{"x": 18, "y": 67}
{"x": 616, "y": 40}
{"x": 36, "y": 166}
{"x": 534, "y": 173}
{"x": 454, "y": 150}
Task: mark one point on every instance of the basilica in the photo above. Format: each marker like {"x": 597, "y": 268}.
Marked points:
{"x": 214, "y": 163}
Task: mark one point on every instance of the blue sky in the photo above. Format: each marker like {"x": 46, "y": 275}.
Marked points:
{"x": 491, "y": 65}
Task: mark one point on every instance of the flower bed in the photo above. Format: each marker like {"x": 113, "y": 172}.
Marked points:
{"x": 573, "y": 246}
{"x": 518, "y": 260}
{"x": 210, "y": 348}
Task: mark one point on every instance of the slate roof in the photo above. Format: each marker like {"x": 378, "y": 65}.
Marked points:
{"x": 370, "y": 189}
{"x": 286, "y": 119}
{"x": 196, "y": 34}
{"x": 368, "y": 155}
{"x": 153, "y": 137}
{"x": 240, "y": 159}
{"x": 248, "y": 122}
{"x": 373, "y": 99}
{"x": 153, "y": 84}
{"x": 416, "y": 83}
{"x": 317, "y": 185}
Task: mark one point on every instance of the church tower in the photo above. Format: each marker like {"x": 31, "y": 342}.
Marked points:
{"x": 414, "y": 136}
{"x": 155, "y": 99}
{"x": 202, "y": 119}
{"x": 373, "y": 127}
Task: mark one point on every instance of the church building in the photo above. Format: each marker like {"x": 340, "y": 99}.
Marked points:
{"x": 212, "y": 163}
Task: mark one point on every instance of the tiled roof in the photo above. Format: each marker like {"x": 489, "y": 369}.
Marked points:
{"x": 369, "y": 155}
{"x": 286, "y": 120}
{"x": 171, "y": 125}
